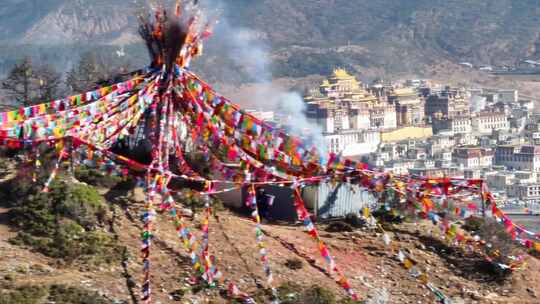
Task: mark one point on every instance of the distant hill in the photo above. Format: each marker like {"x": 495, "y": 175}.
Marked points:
{"x": 304, "y": 37}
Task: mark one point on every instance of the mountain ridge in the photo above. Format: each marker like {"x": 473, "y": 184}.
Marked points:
{"x": 304, "y": 37}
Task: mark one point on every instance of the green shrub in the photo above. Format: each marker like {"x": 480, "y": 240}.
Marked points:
{"x": 24, "y": 295}
{"x": 388, "y": 216}
{"x": 61, "y": 294}
{"x": 339, "y": 226}
{"x": 317, "y": 295}
{"x": 473, "y": 224}
{"x": 39, "y": 214}
{"x": 196, "y": 203}
{"x": 294, "y": 264}
{"x": 499, "y": 246}
{"x": 291, "y": 292}
{"x": 355, "y": 220}
{"x": 100, "y": 247}
{"x": 44, "y": 245}
{"x": 96, "y": 177}
{"x": 82, "y": 204}
{"x": 15, "y": 190}
{"x": 64, "y": 223}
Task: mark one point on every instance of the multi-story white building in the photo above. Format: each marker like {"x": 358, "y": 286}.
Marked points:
{"x": 409, "y": 105}
{"x": 457, "y": 125}
{"x": 499, "y": 180}
{"x": 447, "y": 103}
{"x": 268, "y": 116}
{"x": 508, "y": 96}
{"x": 520, "y": 157}
{"x": 470, "y": 158}
{"x": 352, "y": 142}
{"x": 472, "y": 173}
{"x": 349, "y": 115}
{"x": 487, "y": 122}
{"x": 336, "y": 142}
{"x": 342, "y": 103}
{"x": 440, "y": 143}
{"x": 529, "y": 192}
{"x": 466, "y": 139}
{"x": 502, "y": 95}
{"x": 382, "y": 117}
{"x": 400, "y": 167}
{"x": 444, "y": 155}
{"x": 417, "y": 153}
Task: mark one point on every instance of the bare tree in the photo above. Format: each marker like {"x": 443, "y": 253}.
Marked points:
{"x": 30, "y": 84}
{"x": 94, "y": 70}
{"x": 86, "y": 74}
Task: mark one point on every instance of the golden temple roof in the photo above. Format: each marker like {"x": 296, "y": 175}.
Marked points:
{"x": 404, "y": 91}
{"x": 341, "y": 73}
{"x": 325, "y": 83}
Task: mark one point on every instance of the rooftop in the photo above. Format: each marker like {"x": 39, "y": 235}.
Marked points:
{"x": 341, "y": 73}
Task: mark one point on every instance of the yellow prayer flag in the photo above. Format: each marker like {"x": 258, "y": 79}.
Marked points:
{"x": 366, "y": 212}
{"x": 11, "y": 116}
{"x": 60, "y": 146}
{"x": 408, "y": 264}
{"x": 427, "y": 202}
{"x": 133, "y": 99}
{"x": 423, "y": 278}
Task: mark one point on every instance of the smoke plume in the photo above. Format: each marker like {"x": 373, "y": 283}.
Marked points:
{"x": 292, "y": 105}
{"x": 247, "y": 49}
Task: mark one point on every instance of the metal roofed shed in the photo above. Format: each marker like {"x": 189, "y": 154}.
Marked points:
{"x": 329, "y": 201}
{"x": 324, "y": 201}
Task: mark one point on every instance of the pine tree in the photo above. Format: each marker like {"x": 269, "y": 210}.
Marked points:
{"x": 95, "y": 70}
{"x": 85, "y": 76}
{"x": 30, "y": 84}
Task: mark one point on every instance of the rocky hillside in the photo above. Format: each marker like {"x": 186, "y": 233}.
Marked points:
{"x": 64, "y": 22}
{"x": 306, "y": 37}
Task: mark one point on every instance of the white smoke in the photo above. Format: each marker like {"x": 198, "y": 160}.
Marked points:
{"x": 251, "y": 54}
{"x": 293, "y": 106}
{"x": 478, "y": 103}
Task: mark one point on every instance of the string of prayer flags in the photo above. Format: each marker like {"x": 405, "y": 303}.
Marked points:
{"x": 146, "y": 236}
{"x": 259, "y": 236}
{"x": 169, "y": 111}
{"x": 304, "y": 216}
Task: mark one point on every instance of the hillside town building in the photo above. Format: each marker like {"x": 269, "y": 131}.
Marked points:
{"x": 421, "y": 128}
{"x": 471, "y": 158}
{"x": 455, "y": 125}
{"x": 447, "y": 103}
{"x": 487, "y": 122}
{"x": 345, "y": 111}
{"x": 409, "y": 106}
{"x": 525, "y": 157}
